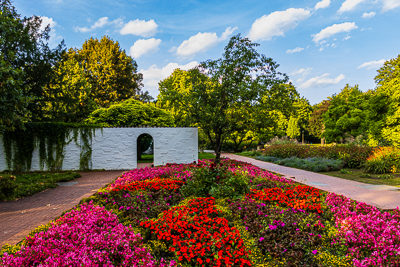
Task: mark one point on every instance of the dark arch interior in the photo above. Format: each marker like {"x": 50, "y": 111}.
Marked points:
{"x": 145, "y": 146}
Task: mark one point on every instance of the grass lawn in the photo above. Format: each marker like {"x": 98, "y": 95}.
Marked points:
{"x": 360, "y": 176}
{"x": 15, "y": 186}
{"x": 206, "y": 155}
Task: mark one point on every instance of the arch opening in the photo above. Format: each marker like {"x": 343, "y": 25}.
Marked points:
{"x": 145, "y": 150}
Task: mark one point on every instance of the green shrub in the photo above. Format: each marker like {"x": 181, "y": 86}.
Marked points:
{"x": 383, "y": 160}
{"x": 7, "y": 185}
{"x": 253, "y": 153}
{"x": 386, "y": 176}
{"x": 215, "y": 181}
{"x": 365, "y": 175}
{"x": 351, "y": 155}
{"x": 309, "y": 164}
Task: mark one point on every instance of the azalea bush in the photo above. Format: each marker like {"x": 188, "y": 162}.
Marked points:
{"x": 383, "y": 160}
{"x": 161, "y": 217}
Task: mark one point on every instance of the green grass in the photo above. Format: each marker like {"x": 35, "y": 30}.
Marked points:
{"x": 15, "y": 186}
{"x": 146, "y": 159}
{"x": 360, "y": 176}
{"x": 206, "y": 155}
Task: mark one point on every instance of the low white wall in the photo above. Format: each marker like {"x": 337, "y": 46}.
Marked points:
{"x": 115, "y": 148}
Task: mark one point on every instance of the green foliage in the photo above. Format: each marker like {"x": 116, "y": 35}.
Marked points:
{"x": 131, "y": 113}
{"x": 206, "y": 155}
{"x": 215, "y": 181}
{"x": 293, "y": 129}
{"x": 384, "y": 104}
{"x": 253, "y": 153}
{"x": 346, "y": 115}
{"x": 51, "y": 139}
{"x": 212, "y": 95}
{"x": 316, "y": 124}
{"x": 282, "y": 141}
{"x": 352, "y": 156}
{"x": 115, "y": 78}
{"x": 26, "y": 64}
{"x": 15, "y": 186}
{"x": 316, "y": 164}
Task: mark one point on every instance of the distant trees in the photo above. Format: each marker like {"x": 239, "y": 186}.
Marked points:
{"x": 212, "y": 92}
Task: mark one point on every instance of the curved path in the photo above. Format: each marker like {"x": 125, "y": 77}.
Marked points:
{"x": 19, "y": 218}
{"x": 384, "y": 197}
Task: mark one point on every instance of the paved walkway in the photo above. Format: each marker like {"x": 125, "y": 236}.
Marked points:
{"x": 19, "y": 218}
{"x": 379, "y": 196}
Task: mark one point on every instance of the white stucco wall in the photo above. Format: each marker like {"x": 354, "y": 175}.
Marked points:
{"x": 115, "y": 148}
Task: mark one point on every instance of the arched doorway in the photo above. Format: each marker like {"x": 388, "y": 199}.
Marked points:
{"x": 145, "y": 150}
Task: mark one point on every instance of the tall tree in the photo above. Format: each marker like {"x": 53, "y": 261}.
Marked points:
{"x": 346, "y": 115}
{"x": 238, "y": 79}
{"x": 316, "y": 124}
{"x": 384, "y": 105}
{"x": 111, "y": 73}
{"x": 26, "y": 66}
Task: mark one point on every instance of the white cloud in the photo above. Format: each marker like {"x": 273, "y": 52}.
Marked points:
{"x": 375, "y": 64}
{"x": 349, "y": 5}
{"x": 368, "y": 15}
{"x": 201, "y": 42}
{"x": 332, "y": 30}
{"x": 153, "y": 75}
{"x": 98, "y": 24}
{"x": 53, "y": 34}
{"x": 390, "y": 4}
{"x": 140, "y": 28}
{"x": 142, "y": 46}
{"x": 295, "y": 50}
{"x": 228, "y": 31}
{"x": 321, "y": 81}
{"x": 322, "y": 4}
{"x": 277, "y": 23}
{"x": 346, "y": 38}
{"x": 302, "y": 71}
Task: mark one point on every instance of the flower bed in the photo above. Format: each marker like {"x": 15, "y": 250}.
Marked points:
{"x": 147, "y": 218}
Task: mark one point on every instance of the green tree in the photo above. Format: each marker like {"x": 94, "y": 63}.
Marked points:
{"x": 384, "y": 105}
{"x": 70, "y": 93}
{"x": 293, "y": 129}
{"x": 111, "y": 73}
{"x": 346, "y": 115}
{"x": 316, "y": 124}
{"x": 26, "y": 66}
{"x": 131, "y": 112}
{"x": 238, "y": 79}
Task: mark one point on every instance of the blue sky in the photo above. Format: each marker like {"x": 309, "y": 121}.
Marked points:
{"x": 321, "y": 45}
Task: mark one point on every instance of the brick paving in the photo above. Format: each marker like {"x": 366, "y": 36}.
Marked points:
{"x": 19, "y": 218}
{"x": 383, "y": 199}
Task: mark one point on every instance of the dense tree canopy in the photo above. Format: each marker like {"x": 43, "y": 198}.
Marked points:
{"x": 26, "y": 63}
{"x": 131, "y": 112}
{"x": 346, "y": 115}
{"x": 316, "y": 124}
{"x": 238, "y": 80}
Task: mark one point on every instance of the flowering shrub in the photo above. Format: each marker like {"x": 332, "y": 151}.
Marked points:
{"x": 372, "y": 237}
{"x": 198, "y": 236}
{"x": 153, "y": 184}
{"x": 89, "y": 236}
{"x": 292, "y": 235}
{"x": 383, "y": 160}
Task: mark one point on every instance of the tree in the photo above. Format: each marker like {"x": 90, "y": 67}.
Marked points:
{"x": 239, "y": 79}
{"x": 131, "y": 112}
{"x": 384, "y": 105}
{"x": 69, "y": 94}
{"x": 293, "y": 129}
{"x": 346, "y": 115}
{"x": 111, "y": 73}
{"x": 26, "y": 64}
{"x": 316, "y": 124}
